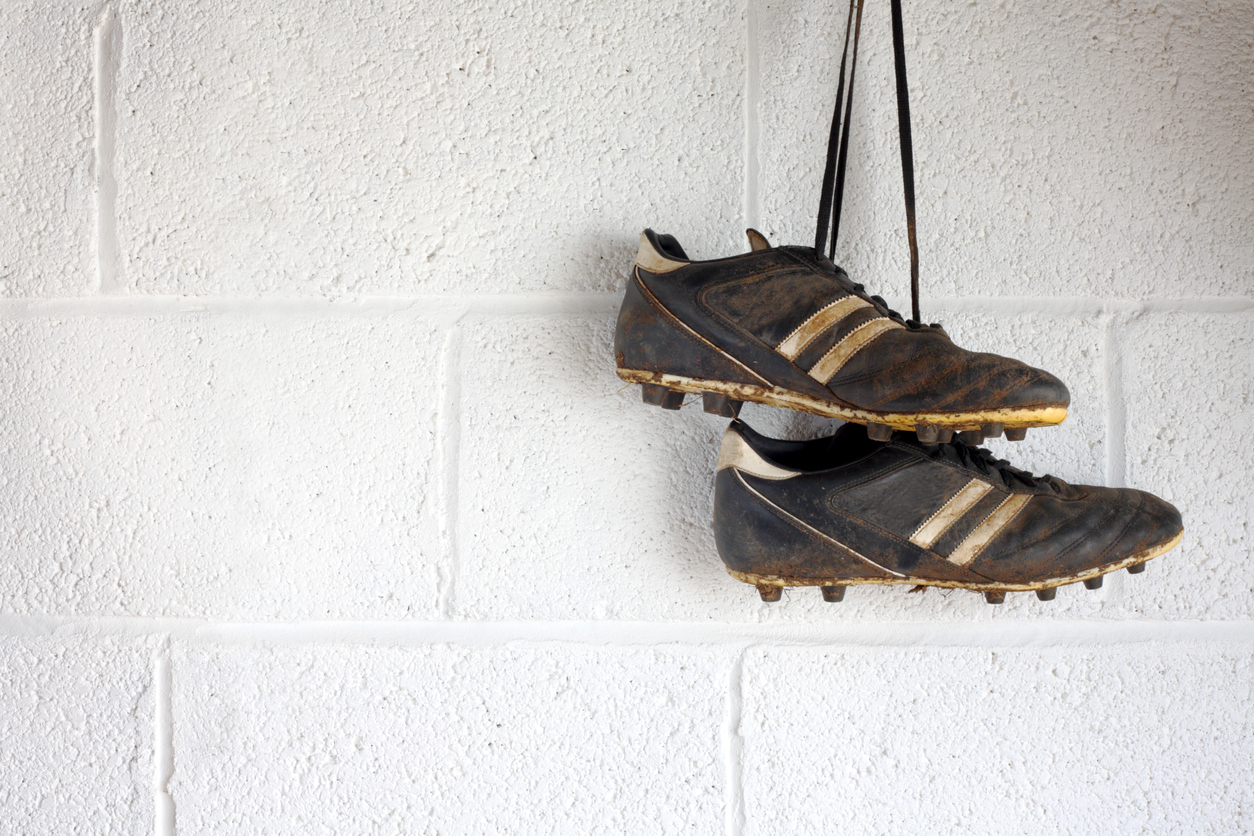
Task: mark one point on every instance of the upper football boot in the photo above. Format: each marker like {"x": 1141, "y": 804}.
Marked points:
{"x": 785, "y": 326}
{"x": 850, "y": 510}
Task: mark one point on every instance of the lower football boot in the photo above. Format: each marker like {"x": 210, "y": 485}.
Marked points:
{"x": 849, "y": 510}
{"x": 785, "y": 326}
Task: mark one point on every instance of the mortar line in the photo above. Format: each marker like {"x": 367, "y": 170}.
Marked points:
{"x": 163, "y": 742}
{"x": 733, "y": 749}
{"x": 575, "y": 303}
{"x": 1080, "y": 306}
{"x": 1116, "y": 428}
{"x": 106, "y": 57}
{"x": 989, "y": 633}
{"x": 752, "y": 100}
{"x": 450, "y": 444}
{"x": 449, "y": 307}
{"x": 1116, "y": 407}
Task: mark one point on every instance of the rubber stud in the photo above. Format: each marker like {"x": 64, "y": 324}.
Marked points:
{"x": 995, "y": 597}
{"x": 992, "y": 430}
{"x": 655, "y": 394}
{"x": 1093, "y": 583}
{"x": 879, "y": 432}
{"x": 1136, "y": 569}
{"x": 720, "y": 405}
{"x": 1047, "y": 594}
{"x": 945, "y": 436}
{"x": 927, "y": 433}
{"x": 1016, "y": 433}
{"x": 971, "y": 436}
{"x": 770, "y": 594}
{"x": 833, "y": 594}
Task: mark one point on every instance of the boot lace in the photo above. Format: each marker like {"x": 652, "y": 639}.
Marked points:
{"x": 833, "y": 187}
{"x": 983, "y": 461}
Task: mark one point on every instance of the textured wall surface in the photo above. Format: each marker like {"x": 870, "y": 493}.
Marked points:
{"x": 322, "y": 510}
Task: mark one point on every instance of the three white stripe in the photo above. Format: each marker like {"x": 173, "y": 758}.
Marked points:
{"x": 841, "y": 353}
{"x": 980, "y": 536}
{"x": 974, "y": 543}
{"x": 819, "y": 322}
{"x": 838, "y": 355}
{"x": 948, "y": 514}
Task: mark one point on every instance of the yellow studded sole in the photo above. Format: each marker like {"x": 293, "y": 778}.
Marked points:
{"x": 1011, "y": 419}
{"x": 768, "y": 585}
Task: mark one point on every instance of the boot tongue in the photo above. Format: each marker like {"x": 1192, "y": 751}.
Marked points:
{"x": 757, "y": 241}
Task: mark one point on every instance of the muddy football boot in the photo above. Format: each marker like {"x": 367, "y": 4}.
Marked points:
{"x": 785, "y": 326}
{"x": 850, "y": 510}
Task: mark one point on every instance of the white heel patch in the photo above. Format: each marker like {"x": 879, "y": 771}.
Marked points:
{"x": 648, "y": 258}
{"x": 737, "y": 453}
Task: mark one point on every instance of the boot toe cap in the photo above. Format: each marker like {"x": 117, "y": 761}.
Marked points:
{"x": 1044, "y": 389}
{"x": 1157, "y": 523}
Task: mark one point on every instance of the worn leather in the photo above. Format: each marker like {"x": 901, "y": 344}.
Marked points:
{"x": 680, "y": 293}
{"x": 646, "y": 332}
{"x": 1063, "y": 537}
{"x": 746, "y": 305}
{"x": 859, "y": 497}
{"x": 753, "y": 537}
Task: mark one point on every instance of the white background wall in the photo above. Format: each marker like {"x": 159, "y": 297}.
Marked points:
{"x": 323, "y": 510}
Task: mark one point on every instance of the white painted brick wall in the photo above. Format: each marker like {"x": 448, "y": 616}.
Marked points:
{"x": 241, "y": 466}
{"x": 47, "y": 133}
{"x": 1190, "y": 406}
{"x": 76, "y": 752}
{"x": 321, "y": 509}
{"x": 420, "y": 147}
{"x": 1065, "y": 149}
{"x": 525, "y": 739}
{"x": 1015, "y": 740}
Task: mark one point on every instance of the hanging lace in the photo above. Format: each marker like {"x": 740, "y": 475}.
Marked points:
{"x": 833, "y": 189}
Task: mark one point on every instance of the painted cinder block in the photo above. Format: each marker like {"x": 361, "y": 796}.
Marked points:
{"x": 1189, "y": 386}
{"x": 440, "y": 739}
{"x": 403, "y": 147}
{"x": 220, "y": 466}
{"x": 76, "y": 733}
{"x": 1061, "y": 149}
{"x": 46, "y": 147}
{"x": 577, "y": 501}
{"x": 1135, "y": 738}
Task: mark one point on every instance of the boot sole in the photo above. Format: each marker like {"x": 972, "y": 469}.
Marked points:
{"x": 770, "y": 586}
{"x": 989, "y": 423}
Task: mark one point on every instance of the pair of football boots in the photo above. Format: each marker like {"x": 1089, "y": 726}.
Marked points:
{"x": 902, "y": 493}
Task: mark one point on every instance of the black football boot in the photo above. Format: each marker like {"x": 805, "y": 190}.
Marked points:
{"x": 785, "y": 326}
{"x": 849, "y": 510}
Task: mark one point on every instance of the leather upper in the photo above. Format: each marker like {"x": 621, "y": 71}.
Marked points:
{"x": 870, "y": 510}
{"x": 746, "y": 307}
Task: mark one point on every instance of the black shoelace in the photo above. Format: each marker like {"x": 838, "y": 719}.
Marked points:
{"x": 983, "y": 461}
{"x": 838, "y": 149}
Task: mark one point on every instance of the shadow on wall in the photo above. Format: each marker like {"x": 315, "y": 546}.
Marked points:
{"x": 593, "y": 260}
